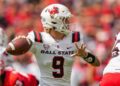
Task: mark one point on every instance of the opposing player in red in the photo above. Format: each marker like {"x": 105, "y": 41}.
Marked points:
{"x": 10, "y": 77}
{"x": 111, "y": 73}
{"x": 9, "y": 73}
{"x": 55, "y": 48}
{"x": 16, "y": 75}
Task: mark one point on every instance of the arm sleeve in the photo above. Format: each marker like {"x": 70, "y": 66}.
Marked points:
{"x": 31, "y": 36}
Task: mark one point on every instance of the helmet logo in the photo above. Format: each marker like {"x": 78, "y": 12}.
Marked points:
{"x": 53, "y": 11}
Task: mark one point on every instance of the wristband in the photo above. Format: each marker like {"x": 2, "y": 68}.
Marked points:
{"x": 90, "y": 58}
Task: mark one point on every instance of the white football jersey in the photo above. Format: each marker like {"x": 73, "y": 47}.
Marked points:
{"x": 54, "y": 57}
{"x": 114, "y": 63}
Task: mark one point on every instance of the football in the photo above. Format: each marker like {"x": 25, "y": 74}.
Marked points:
{"x": 19, "y": 45}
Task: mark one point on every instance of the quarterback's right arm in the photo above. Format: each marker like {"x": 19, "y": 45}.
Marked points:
{"x": 21, "y": 44}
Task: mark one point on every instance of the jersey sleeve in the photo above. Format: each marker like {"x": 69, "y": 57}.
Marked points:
{"x": 31, "y": 36}
{"x": 35, "y": 36}
{"x": 79, "y": 38}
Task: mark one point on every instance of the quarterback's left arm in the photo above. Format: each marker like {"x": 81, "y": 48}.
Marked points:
{"x": 87, "y": 56}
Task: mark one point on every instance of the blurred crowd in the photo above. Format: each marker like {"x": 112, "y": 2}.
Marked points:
{"x": 97, "y": 19}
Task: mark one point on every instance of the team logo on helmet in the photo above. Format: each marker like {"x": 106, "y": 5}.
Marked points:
{"x": 53, "y": 11}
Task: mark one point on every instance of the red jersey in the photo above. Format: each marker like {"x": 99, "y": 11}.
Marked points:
{"x": 13, "y": 78}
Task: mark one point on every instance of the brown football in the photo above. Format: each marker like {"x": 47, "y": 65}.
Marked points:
{"x": 19, "y": 46}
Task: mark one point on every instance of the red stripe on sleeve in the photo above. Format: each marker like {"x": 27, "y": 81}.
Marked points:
{"x": 37, "y": 36}
{"x": 76, "y": 37}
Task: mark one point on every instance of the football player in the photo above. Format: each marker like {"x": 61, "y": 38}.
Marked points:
{"x": 56, "y": 47}
{"x": 14, "y": 73}
{"x": 26, "y": 63}
{"x": 111, "y": 72}
{"x": 18, "y": 74}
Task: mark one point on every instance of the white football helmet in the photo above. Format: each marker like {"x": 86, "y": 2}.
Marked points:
{"x": 56, "y": 16}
